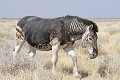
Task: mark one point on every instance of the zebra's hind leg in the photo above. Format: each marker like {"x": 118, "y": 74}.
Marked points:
{"x": 19, "y": 41}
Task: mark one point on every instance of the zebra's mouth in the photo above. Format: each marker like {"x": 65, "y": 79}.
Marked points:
{"x": 92, "y": 53}
{"x": 92, "y": 56}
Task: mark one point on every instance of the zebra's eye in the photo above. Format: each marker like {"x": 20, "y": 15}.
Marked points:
{"x": 90, "y": 38}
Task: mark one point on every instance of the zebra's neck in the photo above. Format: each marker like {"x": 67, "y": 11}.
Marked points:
{"x": 76, "y": 27}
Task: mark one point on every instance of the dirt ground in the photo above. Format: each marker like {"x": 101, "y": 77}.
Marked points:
{"x": 104, "y": 67}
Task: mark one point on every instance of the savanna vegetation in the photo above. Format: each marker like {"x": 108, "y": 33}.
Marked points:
{"x": 105, "y": 67}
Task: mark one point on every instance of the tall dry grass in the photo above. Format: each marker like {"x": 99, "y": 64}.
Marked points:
{"x": 104, "y": 67}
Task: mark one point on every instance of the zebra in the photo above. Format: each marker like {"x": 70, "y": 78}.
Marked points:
{"x": 57, "y": 33}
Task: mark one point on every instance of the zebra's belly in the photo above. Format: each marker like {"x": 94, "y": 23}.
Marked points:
{"x": 43, "y": 47}
{"x": 47, "y": 47}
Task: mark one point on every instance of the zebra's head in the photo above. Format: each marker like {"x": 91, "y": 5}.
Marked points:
{"x": 89, "y": 41}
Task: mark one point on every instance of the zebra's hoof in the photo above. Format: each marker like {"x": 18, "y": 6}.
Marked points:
{"x": 54, "y": 72}
{"x": 76, "y": 75}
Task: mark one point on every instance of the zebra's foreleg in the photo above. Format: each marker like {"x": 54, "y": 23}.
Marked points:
{"x": 70, "y": 52}
{"x": 32, "y": 51}
{"x": 55, "y": 47}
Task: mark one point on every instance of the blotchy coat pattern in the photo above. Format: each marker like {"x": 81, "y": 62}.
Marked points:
{"x": 57, "y": 33}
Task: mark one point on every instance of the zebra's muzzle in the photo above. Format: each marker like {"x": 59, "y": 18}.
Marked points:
{"x": 92, "y": 53}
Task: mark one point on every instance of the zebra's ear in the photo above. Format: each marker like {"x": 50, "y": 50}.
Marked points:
{"x": 90, "y": 27}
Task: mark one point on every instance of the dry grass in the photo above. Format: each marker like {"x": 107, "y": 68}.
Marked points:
{"x": 104, "y": 67}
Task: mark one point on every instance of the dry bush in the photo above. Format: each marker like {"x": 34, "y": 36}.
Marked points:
{"x": 110, "y": 68}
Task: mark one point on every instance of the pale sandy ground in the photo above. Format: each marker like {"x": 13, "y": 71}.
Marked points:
{"x": 104, "y": 67}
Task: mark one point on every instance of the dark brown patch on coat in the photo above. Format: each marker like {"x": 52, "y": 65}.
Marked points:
{"x": 19, "y": 35}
